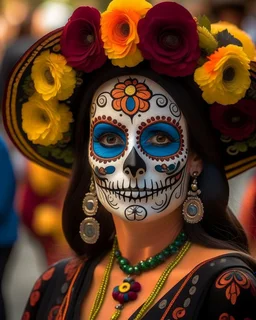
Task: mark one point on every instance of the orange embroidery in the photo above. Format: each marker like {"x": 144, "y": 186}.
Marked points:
{"x": 226, "y": 316}
{"x": 131, "y": 97}
{"x": 26, "y": 316}
{"x": 37, "y": 285}
{"x": 178, "y": 313}
{"x": 48, "y": 274}
{"x": 71, "y": 267}
{"x": 53, "y": 314}
{"x": 34, "y": 297}
{"x": 232, "y": 281}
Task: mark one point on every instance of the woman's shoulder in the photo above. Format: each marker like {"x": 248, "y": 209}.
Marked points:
{"x": 232, "y": 292}
{"x": 62, "y": 270}
{"x": 221, "y": 286}
{"x": 51, "y": 288}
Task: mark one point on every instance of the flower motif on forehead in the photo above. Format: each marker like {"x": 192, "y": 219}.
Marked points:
{"x": 131, "y": 97}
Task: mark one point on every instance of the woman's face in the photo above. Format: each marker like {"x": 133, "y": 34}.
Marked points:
{"x": 138, "y": 149}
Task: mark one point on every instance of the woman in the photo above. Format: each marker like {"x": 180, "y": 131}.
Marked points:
{"x": 146, "y": 210}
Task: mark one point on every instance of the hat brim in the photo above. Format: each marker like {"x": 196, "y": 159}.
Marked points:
{"x": 58, "y": 158}
{"x": 13, "y": 100}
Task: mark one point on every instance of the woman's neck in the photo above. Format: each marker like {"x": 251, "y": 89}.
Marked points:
{"x": 140, "y": 240}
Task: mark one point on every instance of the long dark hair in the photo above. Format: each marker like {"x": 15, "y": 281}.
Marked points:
{"x": 219, "y": 227}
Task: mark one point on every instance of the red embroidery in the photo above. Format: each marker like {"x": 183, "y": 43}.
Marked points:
{"x": 38, "y": 284}
{"x": 34, "y": 297}
{"x": 226, "y": 316}
{"x": 178, "y": 313}
{"x": 70, "y": 268}
{"x": 26, "y": 316}
{"x": 232, "y": 281}
{"x": 48, "y": 274}
{"x": 53, "y": 314}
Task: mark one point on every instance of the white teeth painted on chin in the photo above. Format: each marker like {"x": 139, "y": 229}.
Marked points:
{"x": 133, "y": 183}
{"x": 135, "y": 194}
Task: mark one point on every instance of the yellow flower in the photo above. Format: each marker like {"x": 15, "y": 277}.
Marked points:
{"x": 52, "y": 76}
{"x": 225, "y": 78}
{"x": 239, "y": 34}
{"x": 45, "y": 121}
{"x": 119, "y": 31}
{"x": 207, "y": 42}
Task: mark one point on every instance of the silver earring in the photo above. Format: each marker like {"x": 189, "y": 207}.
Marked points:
{"x": 193, "y": 208}
{"x": 90, "y": 227}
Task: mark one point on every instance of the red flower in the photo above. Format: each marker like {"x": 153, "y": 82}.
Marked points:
{"x": 169, "y": 39}
{"x": 81, "y": 43}
{"x": 236, "y": 121}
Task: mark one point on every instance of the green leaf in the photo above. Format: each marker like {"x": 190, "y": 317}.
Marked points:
{"x": 203, "y": 21}
{"x": 225, "y": 38}
{"x": 43, "y": 151}
{"x": 241, "y": 146}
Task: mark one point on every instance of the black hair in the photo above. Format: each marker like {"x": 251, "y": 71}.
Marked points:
{"x": 219, "y": 227}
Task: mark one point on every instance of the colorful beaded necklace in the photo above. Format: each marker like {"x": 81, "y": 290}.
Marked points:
{"x": 127, "y": 291}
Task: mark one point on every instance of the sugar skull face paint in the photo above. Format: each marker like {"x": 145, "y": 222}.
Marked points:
{"x": 138, "y": 149}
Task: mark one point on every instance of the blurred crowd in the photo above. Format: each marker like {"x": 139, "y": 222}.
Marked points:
{"x": 32, "y": 197}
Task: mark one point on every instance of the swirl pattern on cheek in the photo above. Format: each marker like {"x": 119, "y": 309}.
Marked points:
{"x": 108, "y": 139}
{"x": 160, "y": 138}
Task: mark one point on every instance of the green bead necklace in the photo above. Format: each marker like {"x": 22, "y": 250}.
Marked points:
{"x": 151, "y": 262}
{"x": 129, "y": 282}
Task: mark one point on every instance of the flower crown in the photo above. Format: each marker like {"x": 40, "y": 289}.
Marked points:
{"x": 220, "y": 56}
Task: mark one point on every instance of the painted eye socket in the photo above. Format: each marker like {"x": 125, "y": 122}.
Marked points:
{"x": 160, "y": 139}
{"x": 108, "y": 141}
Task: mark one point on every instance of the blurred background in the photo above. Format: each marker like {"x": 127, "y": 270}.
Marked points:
{"x": 37, "y": 237}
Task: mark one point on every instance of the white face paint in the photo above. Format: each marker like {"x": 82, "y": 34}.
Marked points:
{"x": 138, "y": 149}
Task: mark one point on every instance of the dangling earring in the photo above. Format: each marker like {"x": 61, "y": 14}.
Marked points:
{"x": 193, "y": 209}
{"x": 90, "y": 227}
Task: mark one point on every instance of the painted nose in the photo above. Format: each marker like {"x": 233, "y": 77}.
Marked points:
{"x": 134, "y": 164}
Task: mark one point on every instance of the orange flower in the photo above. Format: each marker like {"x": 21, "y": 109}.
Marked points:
{"x": 119, "y": 31}
{"x": 131, "y": 97}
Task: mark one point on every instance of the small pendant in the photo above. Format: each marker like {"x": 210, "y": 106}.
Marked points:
{"x": 127, "y": 291}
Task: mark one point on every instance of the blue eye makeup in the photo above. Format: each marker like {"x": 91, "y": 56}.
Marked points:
{"x": 160, "y": 140}
{"x": 108, "y": 141}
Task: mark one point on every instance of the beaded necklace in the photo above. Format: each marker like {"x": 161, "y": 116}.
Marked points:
{"x": 130, "y": 285}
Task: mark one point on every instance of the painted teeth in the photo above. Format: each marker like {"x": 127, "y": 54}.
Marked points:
{"x": 137, "y": 194}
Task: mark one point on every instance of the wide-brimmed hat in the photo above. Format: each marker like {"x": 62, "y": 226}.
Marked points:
{"x": 40, "y": 102}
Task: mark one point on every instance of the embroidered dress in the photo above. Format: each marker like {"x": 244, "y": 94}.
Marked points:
{"x": 223, "y": 288}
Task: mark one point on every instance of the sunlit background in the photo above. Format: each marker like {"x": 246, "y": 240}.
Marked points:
{"x": 21, "y": 23}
